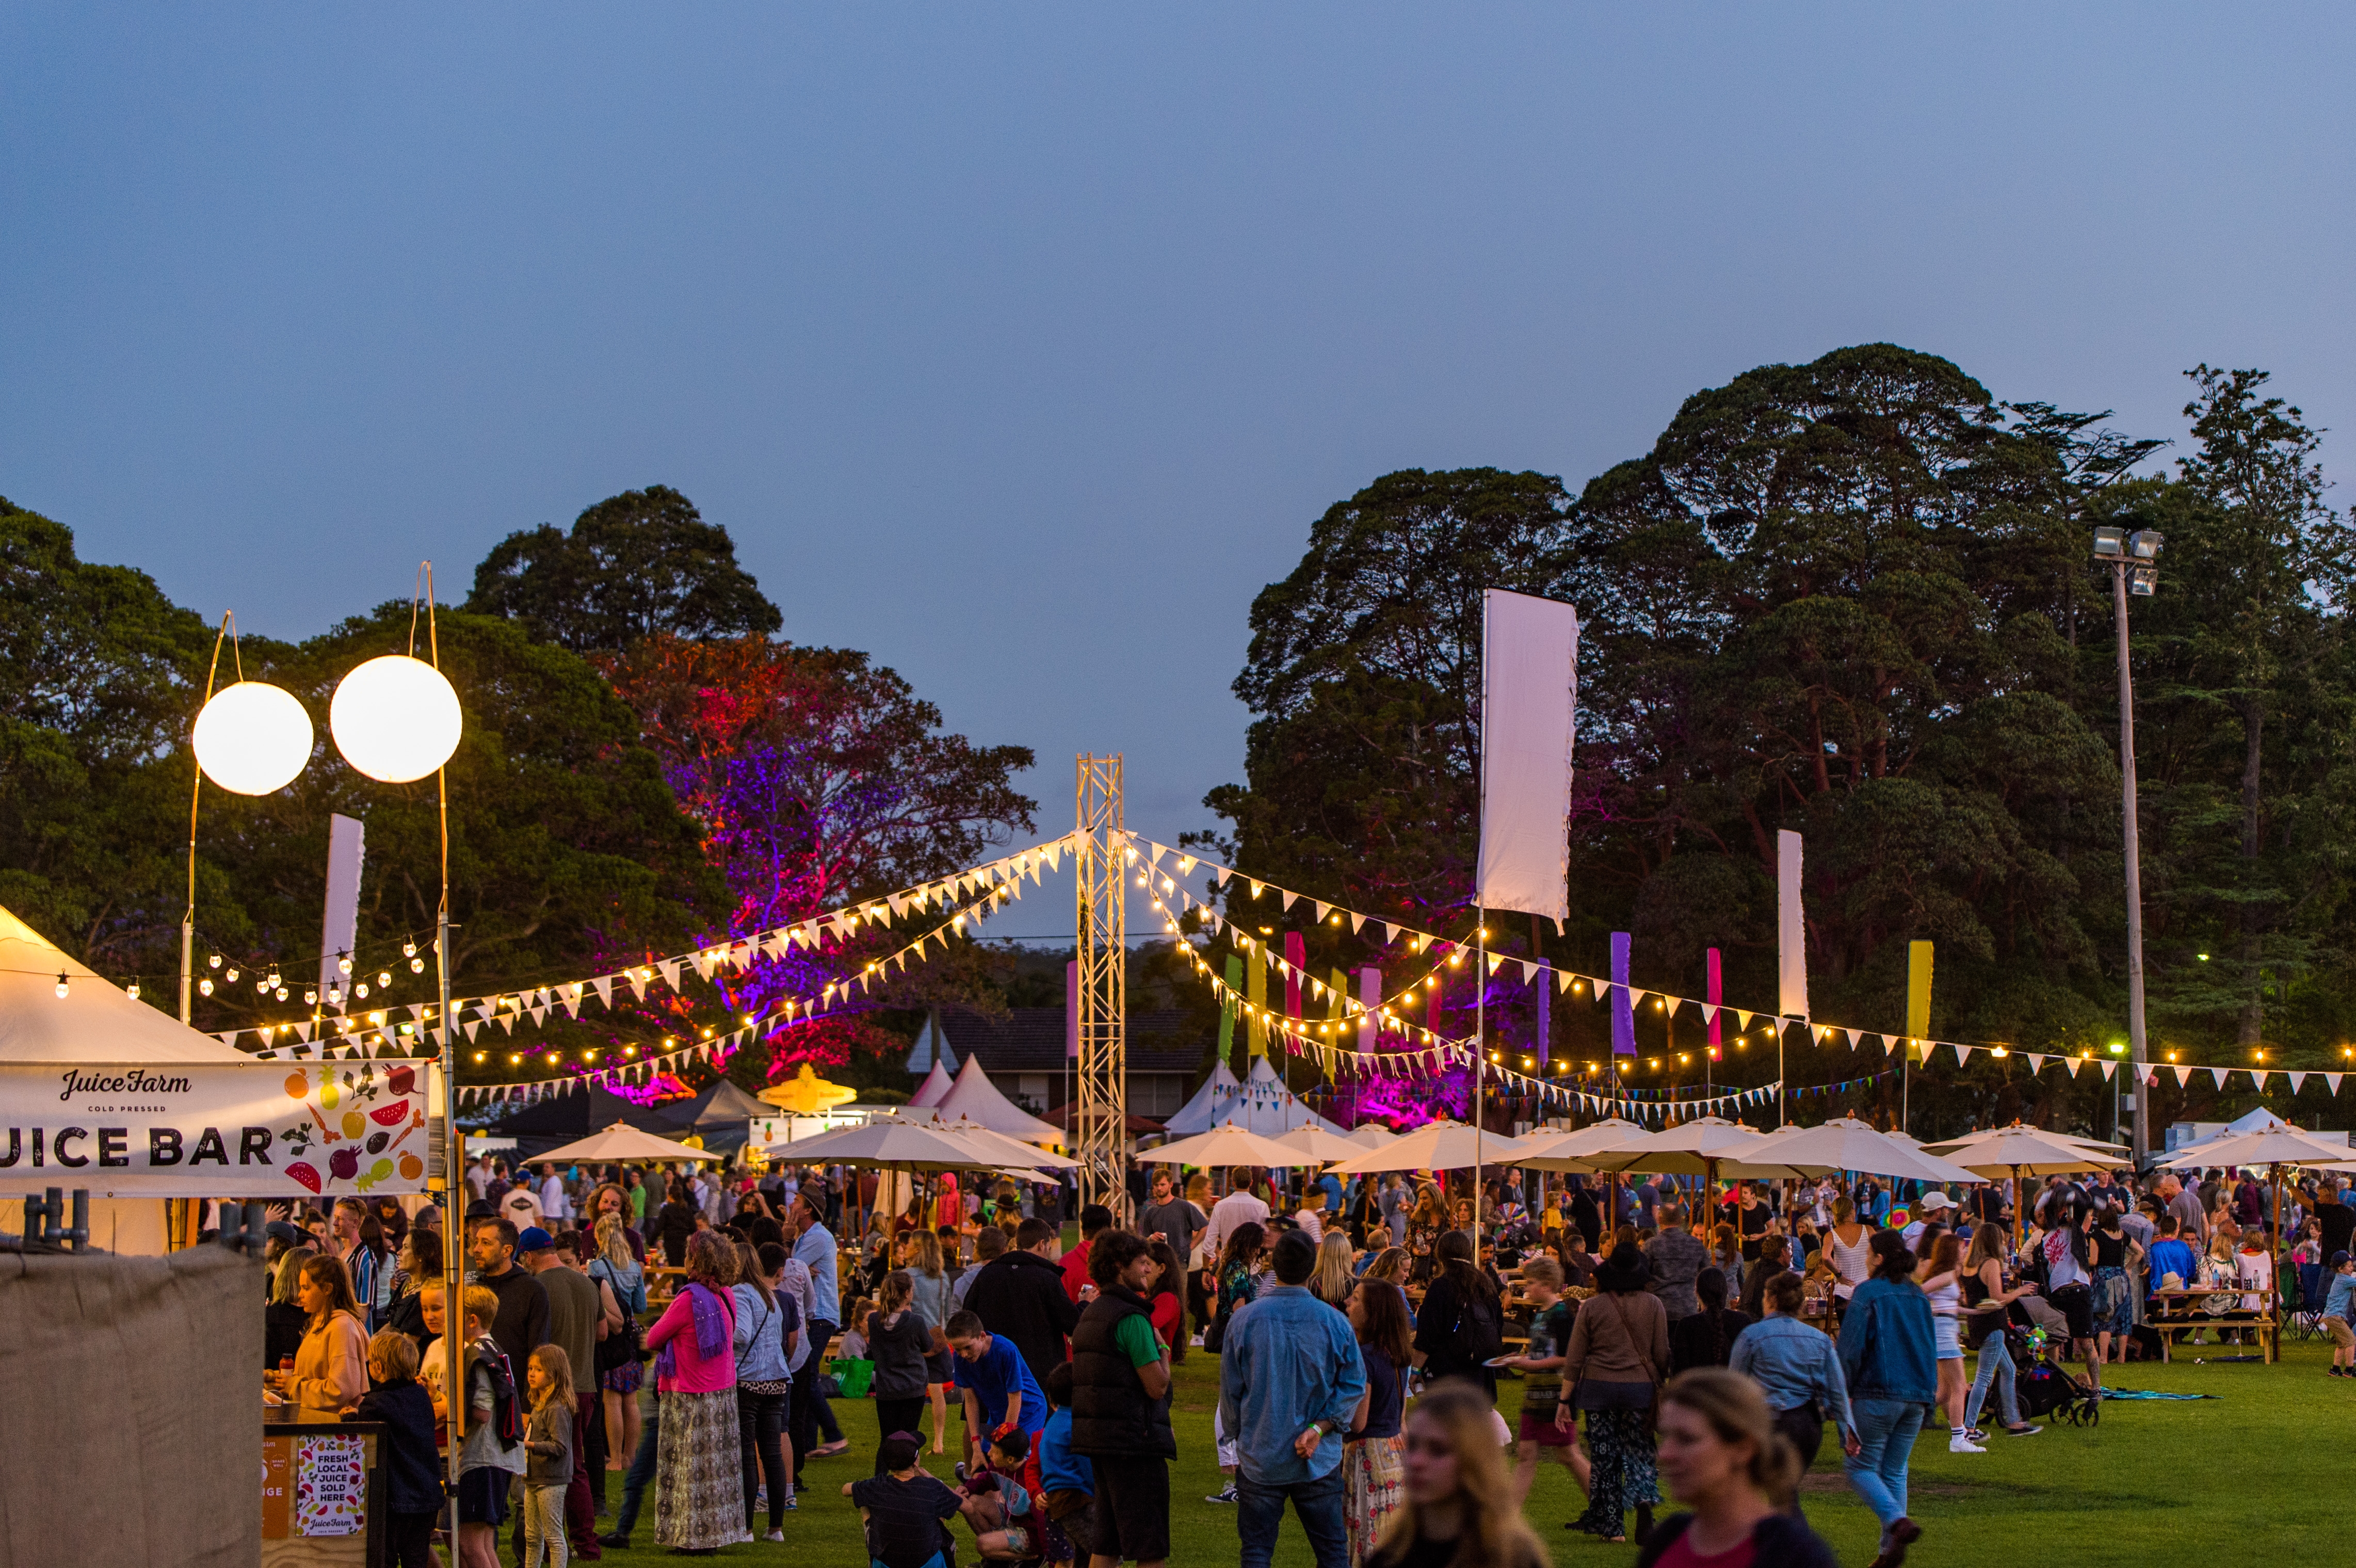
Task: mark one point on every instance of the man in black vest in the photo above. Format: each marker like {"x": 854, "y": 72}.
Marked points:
{"x": 1120, "y": 1406}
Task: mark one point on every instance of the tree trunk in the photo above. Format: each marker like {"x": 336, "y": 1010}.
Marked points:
{"x": 2253, "y": 1003}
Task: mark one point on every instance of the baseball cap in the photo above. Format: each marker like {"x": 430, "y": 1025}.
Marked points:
{"x": 533, "y": 1239}
{"x": 1934, "y": 1199}
{"x": 279, "y": 1231}
{"x": 2338, "y": 1258}
{"x": 896, "y": 1452}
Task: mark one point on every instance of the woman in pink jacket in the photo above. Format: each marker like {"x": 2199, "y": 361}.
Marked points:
{"x": 699, "y": 1492}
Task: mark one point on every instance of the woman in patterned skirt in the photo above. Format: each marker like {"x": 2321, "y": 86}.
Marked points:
{"x": 1373, "y": 1450}
{"x": 698, "y": 1488}
{"x": 1614, "y": 1364}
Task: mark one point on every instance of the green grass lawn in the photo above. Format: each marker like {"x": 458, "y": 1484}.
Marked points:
{"x": 2258, "y": 1467}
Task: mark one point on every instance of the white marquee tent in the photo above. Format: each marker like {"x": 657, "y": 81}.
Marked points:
{"x": 977, "y": 1099}
{"x": 1210, "y": 1105}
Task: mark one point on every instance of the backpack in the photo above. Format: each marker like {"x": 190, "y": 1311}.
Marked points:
{"x": 507, "y": 1410}
{"x": 1479, "y": 1332}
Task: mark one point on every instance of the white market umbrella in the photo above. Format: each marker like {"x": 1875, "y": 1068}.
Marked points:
{"x": 1317, "y": 1146}
{"x": 2016, "y": 1152}
{"x": 907, "y": 1146}
{"x": 622, "y": 1142}
{"x": 1228, "y": 1145}
{"x": 1706, "y": 1145}
{"x": 1435, "y": 1146}
{"x": 2284, "y": 1146}
{"x": 1569, "y": 1150}
{"x": 1847, "y": 1144}
{"x": 1373, "y": 1135}
{"x": 1956, "y": 1144}
{"x": 1013, "y": 1151}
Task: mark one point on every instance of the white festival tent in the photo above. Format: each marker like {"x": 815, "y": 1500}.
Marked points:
{"x": 94, "y": 1021}
{"x": 1267, "y": 1107}
{"x": 934, "y": 1089}
{"x": 974, "y": 1097}
{"x": 1211, "y": 1102}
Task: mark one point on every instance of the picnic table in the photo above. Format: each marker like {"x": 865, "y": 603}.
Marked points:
{"x": 2174, "y": 1311}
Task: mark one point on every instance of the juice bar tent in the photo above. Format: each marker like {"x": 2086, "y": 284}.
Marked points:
{"x": 94, "y": 1021}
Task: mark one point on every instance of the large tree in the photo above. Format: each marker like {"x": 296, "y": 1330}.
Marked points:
{"x": 640, "y": 564}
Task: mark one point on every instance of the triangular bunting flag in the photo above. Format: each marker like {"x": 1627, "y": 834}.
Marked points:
{"x": 2331, "y": 1081}
{"x": 2217, "y": 1075}
{"x": 2183, "y": 1075}
{"x": 2108, "y": 1068}
{"x": 1855, "y": 1037}
{"x": 2037, "y": 1063}
{"x": 1741, "y": 1019}
{"x": 2297, "y": 1079}
{"x": 1963, "y": 1053}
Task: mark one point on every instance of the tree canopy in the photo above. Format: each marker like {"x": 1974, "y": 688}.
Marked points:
{"x": 1852, "y": 598}
{"x": 640, "y": 564}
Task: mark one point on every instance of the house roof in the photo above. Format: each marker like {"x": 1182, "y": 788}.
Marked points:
{"x": 1031, "y": 1040}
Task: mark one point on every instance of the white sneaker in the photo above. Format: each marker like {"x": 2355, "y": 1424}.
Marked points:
{"x": 1961, "y": 1445}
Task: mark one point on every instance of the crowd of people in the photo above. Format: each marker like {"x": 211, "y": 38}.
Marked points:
{"x": 1360, "y": 1327}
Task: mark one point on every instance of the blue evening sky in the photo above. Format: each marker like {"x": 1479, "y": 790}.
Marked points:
{"x": 1020, "y": 345}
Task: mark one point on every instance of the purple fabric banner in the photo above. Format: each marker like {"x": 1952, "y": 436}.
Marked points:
{"x": 1623, "y": 1011}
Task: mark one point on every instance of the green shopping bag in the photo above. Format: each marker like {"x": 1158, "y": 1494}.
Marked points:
{"x": 854, "y": 1378}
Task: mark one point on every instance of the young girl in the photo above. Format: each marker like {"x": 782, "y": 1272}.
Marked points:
{"x": 852, "y": 1344}
{"x": 1944, "y": 1287}
{"x": 900, "y": 1346}
{"x": 548, "y": 1441}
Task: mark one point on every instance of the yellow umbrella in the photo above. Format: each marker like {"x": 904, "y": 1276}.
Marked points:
{"x": 807, "y": 1094}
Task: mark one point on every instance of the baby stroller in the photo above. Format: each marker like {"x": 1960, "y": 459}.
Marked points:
{"x": 2047, "y": 1389}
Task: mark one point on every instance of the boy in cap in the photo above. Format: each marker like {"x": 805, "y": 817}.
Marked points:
{"x": 2338, "y": 1308}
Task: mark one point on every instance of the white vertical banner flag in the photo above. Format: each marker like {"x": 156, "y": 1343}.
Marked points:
{"x": 1529, "y": 689}
{"x": 339, "y": 924}
{"x": 1791, "y": 932}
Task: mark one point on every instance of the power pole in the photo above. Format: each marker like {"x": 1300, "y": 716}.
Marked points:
{"x": 2132, "y": 560}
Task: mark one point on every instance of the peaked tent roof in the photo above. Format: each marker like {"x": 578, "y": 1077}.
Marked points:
{"x": 932, "y": 1090}
{"x": 1202, "y": 1113}
{"x": 932, "y": 1047}
{"x": 975, "y": 1098}
{"x": 722, "y": 1109}
{"x": 94, "y": 1022}
{"x": 1266, "y": 1108}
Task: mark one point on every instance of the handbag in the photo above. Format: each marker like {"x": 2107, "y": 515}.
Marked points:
{"x": 625, "y": 1344}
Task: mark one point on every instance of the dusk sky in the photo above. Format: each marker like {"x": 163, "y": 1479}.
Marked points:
{"x": 1020, "y": 346}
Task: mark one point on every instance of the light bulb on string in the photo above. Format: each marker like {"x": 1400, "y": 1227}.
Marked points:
{"x": 62, "y": 986}
{"x": 417, "y": 965}
{"x": 205, "y": 986}
{"x": 215, "y": 962}
{"x": 282, "y": 993}
{"x": 361, "y": 990}
{"x": 132, "y": 990}
{"x": 343, "y": 962}
{"x": 232, "y": 975}
{"x": 310, "y": 996}
{"x": 383, "y": 978}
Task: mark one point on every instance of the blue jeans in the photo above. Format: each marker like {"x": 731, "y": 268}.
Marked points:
{"x": 1260, "y": 1510}
{"x": 1996, "y": 1367}
{"x": 1886, "y": 1430}
{"x": 642, "y": 1469}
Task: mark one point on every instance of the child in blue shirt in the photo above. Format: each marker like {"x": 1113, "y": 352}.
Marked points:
{"x": 2339, "y": 1309}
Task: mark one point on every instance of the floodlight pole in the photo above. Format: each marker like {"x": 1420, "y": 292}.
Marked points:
{"x": 2135, "y": 1051}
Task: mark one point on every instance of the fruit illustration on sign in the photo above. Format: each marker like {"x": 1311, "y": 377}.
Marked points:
{"x": 344, "y": 1164}
{"x": 377, "y": 1141}
{"x": 401, "y": 1080}
{"x": 412, "y": 1168}
{"x": 390, "y": 1116}
{"x": 376, "y": 1173}
{"x": 329, "y": 1093}
{"x": 302, "y": 1172}
{"x": 355, "y": 1125}
{"x": 297, "y": 1085}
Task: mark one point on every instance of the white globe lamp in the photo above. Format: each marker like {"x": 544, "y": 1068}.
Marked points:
{"x": 252, "y": 738}
{"x": 395, "y": 719}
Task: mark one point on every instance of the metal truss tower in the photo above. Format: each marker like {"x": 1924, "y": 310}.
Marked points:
{"x": 1100, "y": 1116}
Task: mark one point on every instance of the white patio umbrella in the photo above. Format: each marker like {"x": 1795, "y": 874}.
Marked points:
{"x": 1317, "y": 1145}
{"x": 2276, "y": 1149}
{"x": 1373, "y": 1135}
{"x": 2100, "y": 1145}
{"x": 2021, "y": 1151}
{"x": 1013, "y": 1150}
{"x": 1570, "y": 1151}
{"x": 622, "y": 1141}
{"x": 906, "y": 1146}
{"x": 1227, "y": 1143}
{"x": 1846, "y": 1144}
{"x": 1435, "y": 1146}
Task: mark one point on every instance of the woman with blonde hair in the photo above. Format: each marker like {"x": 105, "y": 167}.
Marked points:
{"x": 1390, "y": 1263}
{"x": 331, "y": 1365}
{"x": 1331, "y": 1280}
{"x": 1424, "y": 1224}
{"x": 1458, "y": 1505}
{"x": 698, "y": 1486}
{"x": 1722, "y": 1458}
{"x": 932, "y": 1303}
{"x": 616, "y": 1264}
